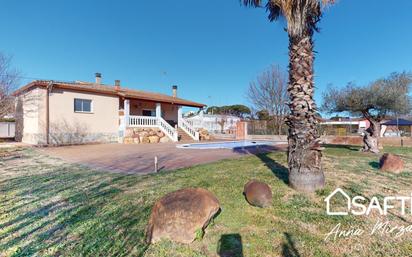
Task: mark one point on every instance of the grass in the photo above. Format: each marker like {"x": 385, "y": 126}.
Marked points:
{"x": 52, "y": 208}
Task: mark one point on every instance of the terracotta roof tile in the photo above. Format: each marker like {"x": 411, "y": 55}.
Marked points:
{"x": 111, "y": 90}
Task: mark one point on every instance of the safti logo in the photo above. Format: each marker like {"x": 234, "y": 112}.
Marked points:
{"x": 360, "y": 205}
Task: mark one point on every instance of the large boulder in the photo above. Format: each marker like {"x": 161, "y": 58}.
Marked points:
{"x": 128, "y": 140}
{"x": 144, "y": 134}
{"x": 129, "y": 132}
{"x": 204, "y": 134}
{"x": 390, "y": 162}
{"x": 180, "y": 215}
{"x": 164, "y": 139}
{"x": 154, "y": 139}
{"x": 258, "y": 193}
{"x": 144, "y": 140}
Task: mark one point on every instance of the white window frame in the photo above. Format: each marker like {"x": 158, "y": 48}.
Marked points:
{"x": 83, "y": 99}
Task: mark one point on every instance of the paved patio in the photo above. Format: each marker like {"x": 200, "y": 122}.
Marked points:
{"x": 130, "y": 158}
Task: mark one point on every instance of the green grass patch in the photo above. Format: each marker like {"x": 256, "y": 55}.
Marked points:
{"x": 52, "y": 208}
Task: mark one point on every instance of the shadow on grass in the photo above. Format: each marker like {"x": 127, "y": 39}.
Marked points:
{"x": 348, "y": 147}
{"x": 71, "y": 210}
{"x": 288, "y": 247}
{"x": 230, "y": 245}
{"x": 374, "y": 165}
{"x": 280, "y": 171}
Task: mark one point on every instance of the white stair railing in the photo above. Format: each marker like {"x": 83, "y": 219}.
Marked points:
{"x": 183, "y": 124}
{"x": 167, "y": 129}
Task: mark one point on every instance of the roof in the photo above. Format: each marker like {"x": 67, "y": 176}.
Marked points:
{"x": 400, "y": 122}
{"x": 214, "y": 116}
{"x": 110, "y": 90}
{"x": 343, "y": 119}
{"x": 334, "y": 122}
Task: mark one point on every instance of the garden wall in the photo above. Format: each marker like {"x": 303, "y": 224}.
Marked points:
{"x": 341, "y": 140}
{"x": 357, "y": 140}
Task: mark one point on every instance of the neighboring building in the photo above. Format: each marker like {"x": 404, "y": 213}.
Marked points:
{"x": 343, "y": 126}
{"x": 214, "y": 123}
{"x": 77, "y": 112}
{"x": 396, "y": 128}
{"x": 347, "y": 126}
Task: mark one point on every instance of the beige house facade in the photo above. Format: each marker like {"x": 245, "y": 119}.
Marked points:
{"x": 52, "y": 112}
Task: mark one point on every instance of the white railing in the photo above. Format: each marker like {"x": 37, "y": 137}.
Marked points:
{"x": 142, "y": 121}
{"x": 167, "y": 129}
{"x": 153, "y": 122}
{"x": 188, "y": 121}
{"x": 183, "y": 124}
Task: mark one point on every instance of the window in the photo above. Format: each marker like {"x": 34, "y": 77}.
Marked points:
{"x": 82, "y": 105}
{"x": 150, "y": 113}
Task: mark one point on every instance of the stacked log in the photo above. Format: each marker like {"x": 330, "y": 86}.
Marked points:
{"x": 204, "y": 134}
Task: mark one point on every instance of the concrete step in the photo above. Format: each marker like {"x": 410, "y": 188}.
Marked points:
{"x": 183, "y": 136}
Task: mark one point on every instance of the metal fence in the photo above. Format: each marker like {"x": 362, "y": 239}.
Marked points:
{"x": 265, "y": 127}
{"x": 7, "y": 129}
{"x": 339, "y": 130}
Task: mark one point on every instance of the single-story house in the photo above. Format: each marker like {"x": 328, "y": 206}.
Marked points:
{"x": 343, "y": 126}
{"x": 396, "y": 127}
{"x": 54, "y": 112}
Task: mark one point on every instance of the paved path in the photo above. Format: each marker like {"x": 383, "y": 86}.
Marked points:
{"x": 130, "y": 158}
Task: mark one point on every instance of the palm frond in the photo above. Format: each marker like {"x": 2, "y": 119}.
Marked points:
{"x": 301, "y": 15}
{"x": 252, "y": 3}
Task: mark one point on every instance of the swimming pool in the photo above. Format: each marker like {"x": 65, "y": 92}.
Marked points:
{"x": 227, "y": 144}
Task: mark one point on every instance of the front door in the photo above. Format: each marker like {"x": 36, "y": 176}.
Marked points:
{"x": 149, "y": 113}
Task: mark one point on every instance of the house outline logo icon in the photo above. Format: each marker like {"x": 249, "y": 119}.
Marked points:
{"x": 327, "y": 200}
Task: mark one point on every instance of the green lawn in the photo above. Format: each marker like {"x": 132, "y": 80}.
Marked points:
{"x": 51, "y": 208}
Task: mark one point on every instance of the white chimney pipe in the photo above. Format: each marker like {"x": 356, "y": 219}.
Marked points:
{"x": 174, "y": 91}
{"x": 98, "y": 77}
{"x": 117, "y": 84}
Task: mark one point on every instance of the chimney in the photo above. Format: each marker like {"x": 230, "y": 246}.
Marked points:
{"x": 174, "y": 91}
{"x": 117, "y": 84}
{"x": 98, "y": 77}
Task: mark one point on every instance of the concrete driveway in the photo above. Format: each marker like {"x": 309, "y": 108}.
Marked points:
{"x": 139, "y": 158}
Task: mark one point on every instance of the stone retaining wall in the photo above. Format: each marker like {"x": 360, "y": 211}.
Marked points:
{"x": 145, "y": 136}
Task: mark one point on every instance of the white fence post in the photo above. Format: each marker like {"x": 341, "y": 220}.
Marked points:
{"x": 126, "y": 112}
{"x": 158, "y": 110}
{"x": 124, "y": 120}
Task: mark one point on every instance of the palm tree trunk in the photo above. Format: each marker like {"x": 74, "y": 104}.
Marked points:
{"x": 304, "y": 153}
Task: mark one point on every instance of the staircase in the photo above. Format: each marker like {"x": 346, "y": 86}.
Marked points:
{"x": 183, "y": 136}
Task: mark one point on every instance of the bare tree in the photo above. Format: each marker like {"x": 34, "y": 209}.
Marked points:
{"x": 374, "y": 102}
{"x": 9, "y": 78}
{"x": 268, "y": 93}
{"x": 222, "y": 121}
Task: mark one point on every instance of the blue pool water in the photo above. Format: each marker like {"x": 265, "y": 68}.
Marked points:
{"x": 226, "y": 144}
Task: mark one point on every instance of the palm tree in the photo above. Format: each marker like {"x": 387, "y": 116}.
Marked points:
{"x": 304, "y": 151}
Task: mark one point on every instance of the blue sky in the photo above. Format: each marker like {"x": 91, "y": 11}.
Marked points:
{"x": 211, "y": 49}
